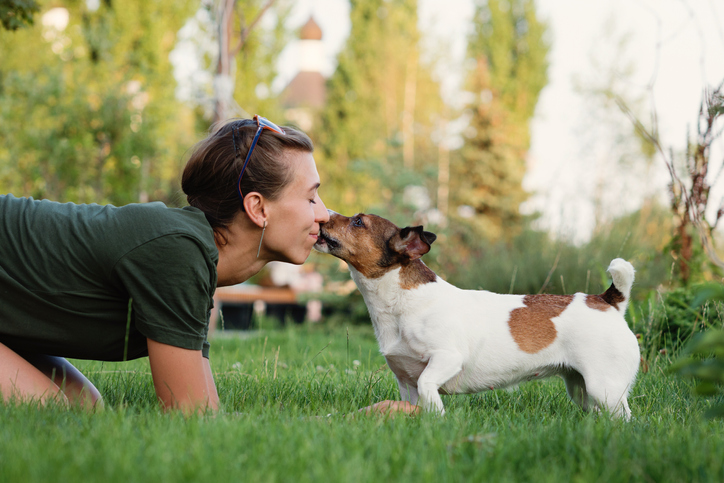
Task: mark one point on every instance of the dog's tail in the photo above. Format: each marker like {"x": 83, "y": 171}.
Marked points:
{"x": 618, "y": 294}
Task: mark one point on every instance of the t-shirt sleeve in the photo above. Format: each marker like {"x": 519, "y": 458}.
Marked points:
{"x": 170, "y": 282}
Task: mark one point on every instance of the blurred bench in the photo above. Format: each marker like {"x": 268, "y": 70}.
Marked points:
{"x": 237, "y": 303}
{"x": 247, "y": 293}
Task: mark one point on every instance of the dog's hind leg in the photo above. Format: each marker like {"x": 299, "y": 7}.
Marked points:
{"x": 610, "y": 396}
{"x": 441, "y": 367}
{"x": 407, "y": 392}
{"x": 576, "y": 388}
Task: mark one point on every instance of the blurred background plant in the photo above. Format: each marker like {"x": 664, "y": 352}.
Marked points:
{"x": 703, "y": 357}
{"x": 15, "y": 14}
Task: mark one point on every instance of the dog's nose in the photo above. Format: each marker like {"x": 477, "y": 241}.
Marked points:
{"x": 332, "y": 214}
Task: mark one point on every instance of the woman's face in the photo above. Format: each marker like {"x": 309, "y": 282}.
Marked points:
{"x": 294, "y": 217}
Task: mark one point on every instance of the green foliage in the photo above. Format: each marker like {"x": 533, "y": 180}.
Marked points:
{"x": 87, "y": 112}
{"x": 65, "y": 149}
{"x": 251, "y": 63}
{"x": 15, "y": 14}
{"x": 509, "y": 51}
{"x": 708, "y": 292}
{"x": 667, "y": 320}
{"x": 382, "y": 106}
{"x": 533, "y": 261}
{"x": 703, "y": 358}
{"x": 256, "y": 62}
{"x": 512, "y": 40}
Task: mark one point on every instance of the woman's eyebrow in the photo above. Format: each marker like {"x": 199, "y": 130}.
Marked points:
{"x": 315, "y": 187}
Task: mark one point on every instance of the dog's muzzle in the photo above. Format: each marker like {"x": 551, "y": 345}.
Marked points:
{"x": 325, "y": 243}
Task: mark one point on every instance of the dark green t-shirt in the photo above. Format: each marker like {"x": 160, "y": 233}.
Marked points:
{"x": 93, "y": 282}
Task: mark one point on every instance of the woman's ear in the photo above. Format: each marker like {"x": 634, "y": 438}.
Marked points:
{"x": 255, "y": 207}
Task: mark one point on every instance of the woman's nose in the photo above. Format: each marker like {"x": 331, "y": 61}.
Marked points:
{"x": 322, "y": 212}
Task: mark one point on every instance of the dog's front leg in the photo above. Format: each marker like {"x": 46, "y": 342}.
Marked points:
{"x": 441, "y": 367}
{"x": 407, "y": 392}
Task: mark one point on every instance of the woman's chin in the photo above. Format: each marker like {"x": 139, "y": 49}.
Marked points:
{"x": 296, "y": 258}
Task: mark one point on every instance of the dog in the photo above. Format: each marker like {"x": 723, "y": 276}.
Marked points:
{"x": 437, "y": 338}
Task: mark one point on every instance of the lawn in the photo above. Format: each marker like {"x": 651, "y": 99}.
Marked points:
{"x": 289, "y": 400}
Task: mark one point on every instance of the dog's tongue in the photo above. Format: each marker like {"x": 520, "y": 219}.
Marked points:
{"x": 320, "y": 241}
{"x": 323, "y": 243}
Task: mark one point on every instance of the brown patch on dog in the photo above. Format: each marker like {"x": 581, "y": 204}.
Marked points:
{"x": 531, "y": 326}
{"x": 415, "y": 274}
{"x": 596, "y": 302}
{"x": 610, "y": 298}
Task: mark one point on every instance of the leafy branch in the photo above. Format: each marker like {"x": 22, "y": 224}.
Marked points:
{"x": 15, "y": 14}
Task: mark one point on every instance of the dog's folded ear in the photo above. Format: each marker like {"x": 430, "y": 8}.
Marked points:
{"x": 429, "y": 237}
{"x": 412, "y": 241}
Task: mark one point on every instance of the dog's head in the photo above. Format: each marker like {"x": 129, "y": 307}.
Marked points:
{"x": 372, "y": 244}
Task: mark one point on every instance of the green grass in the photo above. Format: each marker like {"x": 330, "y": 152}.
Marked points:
{"x": 278, "y": 387}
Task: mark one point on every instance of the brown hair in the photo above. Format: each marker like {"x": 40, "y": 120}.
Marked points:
{"x": 212, "y": 171}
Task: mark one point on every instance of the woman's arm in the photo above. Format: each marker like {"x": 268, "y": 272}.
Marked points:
{"x": 210, "y": 385}
{"x": 182, "y": 378}
{"x": 390, "y": 408}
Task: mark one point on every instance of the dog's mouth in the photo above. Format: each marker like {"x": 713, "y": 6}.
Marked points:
{"x": 325, "y": 242}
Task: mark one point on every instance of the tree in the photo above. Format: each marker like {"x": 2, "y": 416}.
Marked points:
{"x": 382, "y": 106}
{"x": 87, "y": 112}
{"x": 15, "y": 14}
{"x": 229, "y": 48}
{"x": 256, "y": 58}
{"x": 232, "y": 58}
{"x": 509, "y": 51}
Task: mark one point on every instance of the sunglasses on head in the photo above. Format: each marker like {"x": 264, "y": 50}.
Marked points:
{"x": 262, "y": 123}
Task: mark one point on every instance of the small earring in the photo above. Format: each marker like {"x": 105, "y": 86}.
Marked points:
{"x": 262, "y": 239}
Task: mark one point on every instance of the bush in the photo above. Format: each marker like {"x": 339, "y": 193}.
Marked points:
{"x": 665, "y": 321}
{"x": 703, "y": 358}
{"x": 533, "y": 261}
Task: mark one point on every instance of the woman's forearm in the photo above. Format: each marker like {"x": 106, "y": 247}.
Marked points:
{"x": 182, "y": 378}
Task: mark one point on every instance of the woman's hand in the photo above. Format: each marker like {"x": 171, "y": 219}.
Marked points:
{"x": 182, "y": 378}
{"x": 390, "y": 408}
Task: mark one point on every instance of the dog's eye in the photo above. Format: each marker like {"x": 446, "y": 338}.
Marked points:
{"x": 357, "y": 222}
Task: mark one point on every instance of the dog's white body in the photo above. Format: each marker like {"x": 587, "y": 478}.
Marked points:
{"x": 439, "y": 338}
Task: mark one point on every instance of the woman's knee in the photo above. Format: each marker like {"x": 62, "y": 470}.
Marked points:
{"x": 20, "y": 380}
{"x": 76, "y": 387}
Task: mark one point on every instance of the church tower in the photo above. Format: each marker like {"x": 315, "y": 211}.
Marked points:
{"x": 306, "y": 93}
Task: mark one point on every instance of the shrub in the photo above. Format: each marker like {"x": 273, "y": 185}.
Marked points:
{"x": 665, "y": 321}
{"x": 703, "y": 358}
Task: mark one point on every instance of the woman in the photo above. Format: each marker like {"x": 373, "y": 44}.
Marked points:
{"x": 107, "y": 283}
